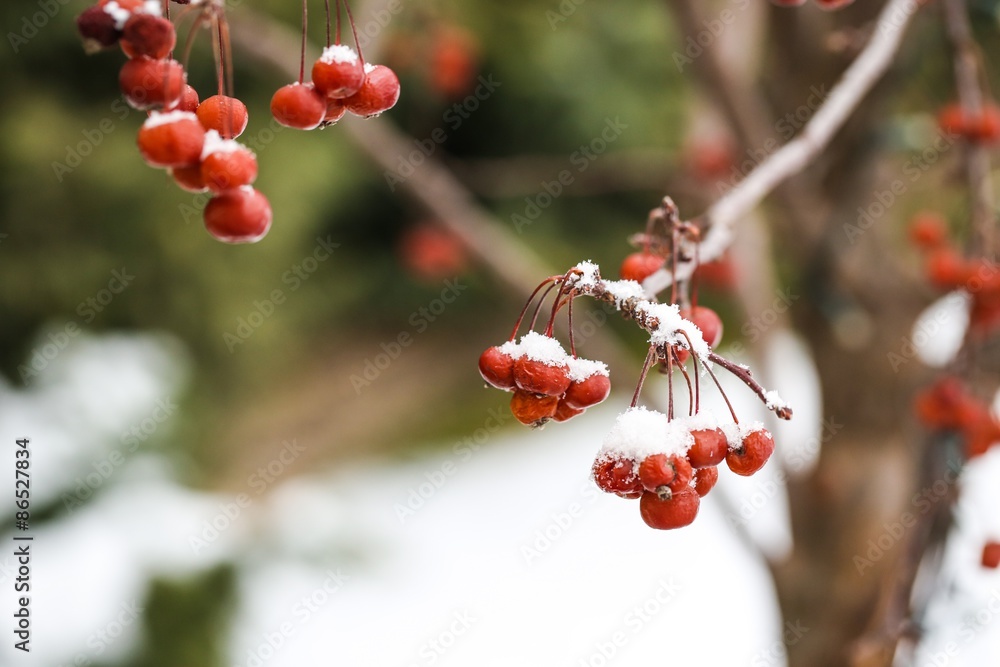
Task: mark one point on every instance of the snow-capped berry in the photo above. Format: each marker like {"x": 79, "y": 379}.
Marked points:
{"x": 640, "y": 265}
{"x": 928, "y": 231}
{"x": 299, "y": 106}
{"x": 335, "y": 110}
{"x": 497, "y": 368}
{"x": 123, "y": 8}
{"x": 339, "y": 72}
{"x": 683, "y": 473}
{"x": 655, "y": 471}
{"x": 709, "y": 448}
{"x": 97, "y": 28}
{"x": 676, "y": 512}
{"x": 189, "y": 178}
{"x": 705, "y": 479}
{"x": 617, "y": 476}
{"x": 588, "y": 392}
{"x": 171, "y": 139}
{"x": 540, "y": 378}
{"x": 228, "y": 166}
{"x": 148, "y": 35}
{"x": 242, "y": 215}
{"x": 531, "y": 409}
{"x": 226, "y": 115}
{"x": 378, "y": 93}
{"x": 188, "y": 100}
{"x": 754, "y": 451}
{"x": 708, "y": 321}
{"x": 564, "y": 412}
{"x": 152, "y": 84}
{"x": 991, "y": 555}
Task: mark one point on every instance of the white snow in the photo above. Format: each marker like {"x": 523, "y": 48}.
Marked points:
{"x": 939, "y": 331}
{"x": 340, "y": 54}
{"x": 668, "y": 328}
{"x": 118, "y": 13}
{"x": 214, "y": 143}
{"x": 581, "y": 369}
{"x": 639, "y": 432}
{"x": 156, "y": 119}
{"x": 549, "y": 351}
{"x": 369, "y": 68}
{"x": 773, "y": 401}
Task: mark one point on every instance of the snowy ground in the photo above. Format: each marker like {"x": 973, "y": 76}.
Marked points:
{"x": 497, "y": 551}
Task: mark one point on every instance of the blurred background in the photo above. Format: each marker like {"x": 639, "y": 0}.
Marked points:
{"x": 283, "y": 454}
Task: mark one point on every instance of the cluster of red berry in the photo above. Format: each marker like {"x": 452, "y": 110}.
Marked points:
{"x": 341, "y": 82}
{"x": 949, "y": 405}
{"x": 947, "y": 269}
{"x": 823, "y": 4}
{"x": 982, "y": 127}
{"x": 670, "y": 464}
{"x": 193, "y": 139}
{"x": 548, "y": 383}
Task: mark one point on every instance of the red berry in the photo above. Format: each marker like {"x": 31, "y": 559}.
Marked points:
{"x": 946, "y": 269}
{"x": 708, "y": 321}
{"x": 709, "y": 448}
{"x": 705, "y": 479}
{"x": 532, "y": 409}
{"x": 982, "y": 127}
{"x": 128, "y": 6}
{"x": 339, "y": 72}
{"x": 242, "y": 215}
{"x": 188, "y": 100}
{"x": 432, "y": 253}
{"x": 189, "y": 178}
{"x": 682, "y": 473}
{"x": 655, "y": 471}
{"x": 172, "y": 139}
{"x": 588, "y": 392}
{"x": 617, "y": 476}
{"x": 640, "y": 265}
{"x": 719, "y": 274}
{"x": 452, "y": 62}
{"x": 152, "y": 84}
{"x": 335, "y": 110}
{"x": 540, "y": 378}
{"x": 991, "y": 555}
{"x": 676, "y": 512}
{"x": 754, "y": 451}
{"x": 298, "y": 106}
{"x": 565, "y": 413}
{"x": 228, "y": 166}
{"x": 378, "y": 93}
{"x": 928, "y": 231}
{"x": 226, "y": 115}
{"x": 97, "y": 28}
{"x": 148, "y": 35}
{"x": 497, "y": 368}
{"x": 831, "y": 5}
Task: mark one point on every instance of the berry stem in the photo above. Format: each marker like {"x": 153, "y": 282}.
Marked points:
{"x": 572, "y": 339}
{"x": 305, "y": 37}
{"x": 217, "y": 54}
{"x": 687, "y": 379}
{"x": 338, "y": 22}
{"x": 538, "y": 306}
{"x": 697, "y": 382}
{"x": 722, "y": 391}
{"x": 354, "y": 31}
{"x": 326, "y": 6}
{"x": 650, "y": 356}
{"x": 517, "y": 325}
{"x": 670, "y": 387}
{"x": 745, "y": 376}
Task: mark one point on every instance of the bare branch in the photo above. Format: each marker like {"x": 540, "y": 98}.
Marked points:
{"x": 857, "y": 81}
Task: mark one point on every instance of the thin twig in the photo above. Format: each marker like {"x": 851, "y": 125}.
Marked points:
{"x": 722, "y": 217}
